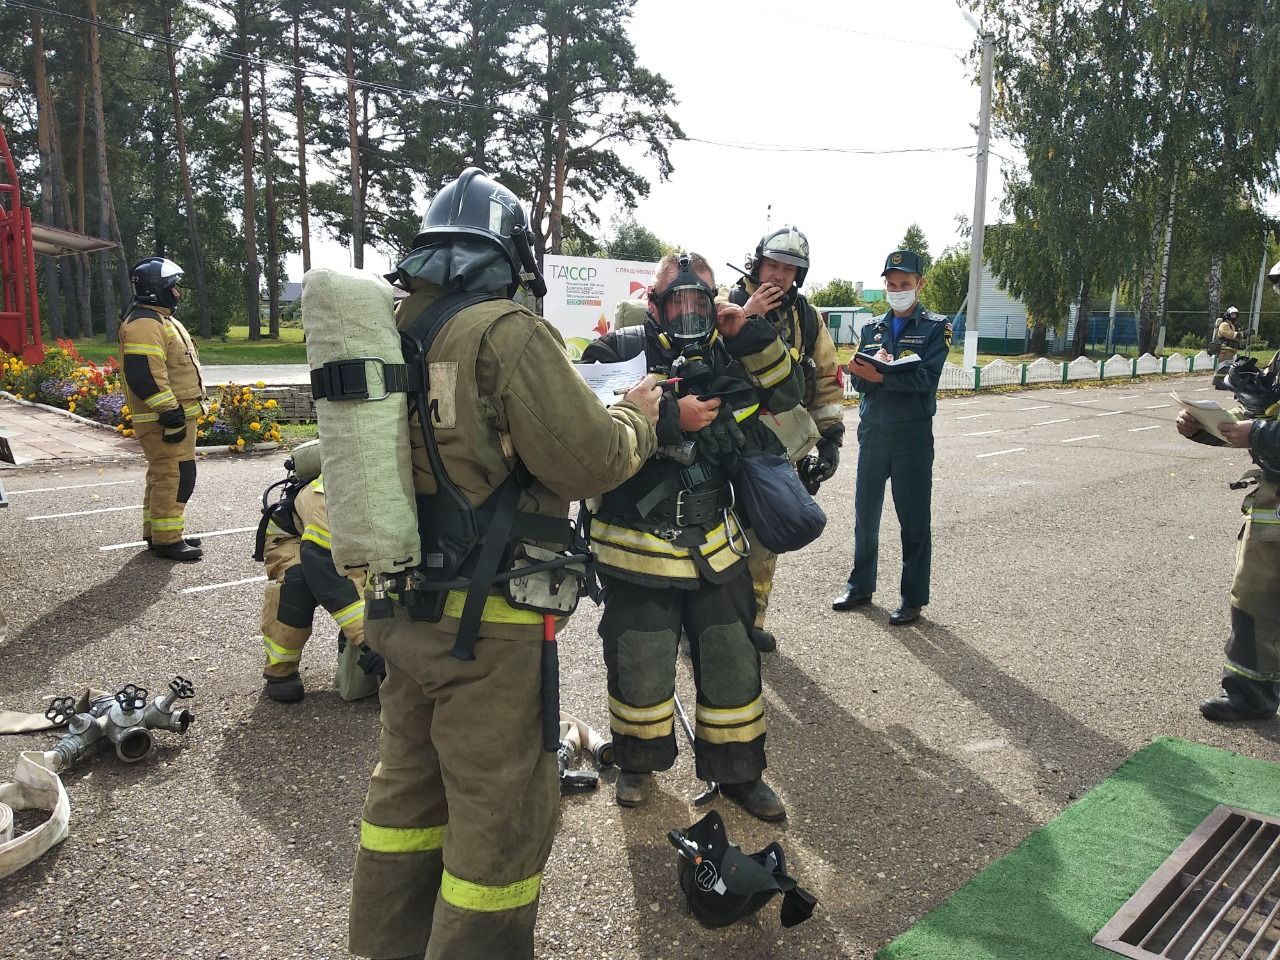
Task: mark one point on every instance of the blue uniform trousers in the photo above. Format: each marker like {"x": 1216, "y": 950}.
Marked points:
{"x": 901, "y": 453}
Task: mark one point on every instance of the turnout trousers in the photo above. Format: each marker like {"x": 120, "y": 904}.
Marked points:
{"x": 301, "y": 576}
{"x": 763, "y": 565}
{"x": 462, "y": 806}
{"x": 1251, "y": 673}
{"x": 641, "y": 632}
{"x": 902, "y": 454}
{"x": 171, "y": 479}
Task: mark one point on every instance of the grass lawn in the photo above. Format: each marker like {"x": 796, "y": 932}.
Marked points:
{"x": 235, "y": 349}
{"x": 292, "y": 434}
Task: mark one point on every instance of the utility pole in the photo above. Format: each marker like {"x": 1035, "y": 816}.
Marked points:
{"x": 974, "y": 314}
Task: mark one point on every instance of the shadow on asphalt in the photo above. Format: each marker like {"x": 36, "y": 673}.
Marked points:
{"x": 301, "y": 770}
{"x": 88, "y": 616}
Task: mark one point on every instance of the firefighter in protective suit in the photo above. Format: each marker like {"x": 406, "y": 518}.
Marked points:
{"x": 165, "y": 392}
{"x": 1251, "y": 671}
{"x": 669, "y": 548}
{"x": 1226, "y": 337}
{"x": 772, "y": 290}
{"x": 461, "y": 809}
{"x": 301, "y": 576}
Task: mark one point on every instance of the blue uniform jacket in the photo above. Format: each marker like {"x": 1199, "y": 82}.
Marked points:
{"x": 909, "y": 394}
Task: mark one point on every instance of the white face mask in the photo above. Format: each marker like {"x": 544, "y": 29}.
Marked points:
{"x": 901, "y": 300}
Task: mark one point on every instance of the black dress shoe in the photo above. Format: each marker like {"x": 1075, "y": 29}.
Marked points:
{"x": 1223, "y": 709}
{"x": 764, "y": 641}
{"x": 904, "y": 615}
{"x": 849, "y": 600}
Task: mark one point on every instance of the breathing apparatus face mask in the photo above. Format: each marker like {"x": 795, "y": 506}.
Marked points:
{"x": 686, "y": 309}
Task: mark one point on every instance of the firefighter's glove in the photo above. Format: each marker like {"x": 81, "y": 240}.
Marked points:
{"x": 720, "y": 441}
{"x": 828, "y": 460}
{"x": 371, "y": 663}
{"x": 174, "y": 422}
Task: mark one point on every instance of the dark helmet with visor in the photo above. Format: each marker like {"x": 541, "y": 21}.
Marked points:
{"x": 476, "y": 215}
{"x": 154, "y": 280}
{"x": 786, "y": 245}
{"x": 685, "y": 310}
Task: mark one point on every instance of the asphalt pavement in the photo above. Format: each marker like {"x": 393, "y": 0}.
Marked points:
{"x": 1082, "y": 557}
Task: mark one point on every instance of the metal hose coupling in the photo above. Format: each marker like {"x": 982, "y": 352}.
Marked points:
{"x": 124, "y": 719}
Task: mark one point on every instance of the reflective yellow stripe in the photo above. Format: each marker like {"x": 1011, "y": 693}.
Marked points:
{"x": 770, "y": 367}
{"x": 742, "y": 734}
{"x": 350, "y": 613}
{"x": 622, "y": 559}
{"x": 166, "y": 523}
{"x": 1263, "y": 515}
{"x": 317, "y": 535}
{"x": 660, "y": 711}
{"x": 275, "y": 530}
{"x": 279, "y": 654}
{"x": 378, "y": 839}
{"x": 725, "y": 716}
{"x": 483, "y": 899}
{"x": 161, "y": 401}
{"x": 496, "y": 609}
{"x": 192, "y": 410}
{"x": 643, "y": 731}
{"x": 745, "y": 412}
{"x": 143, "y": 350}
{"x": 145, "y": 417}
{"x": 318, "y": 484}
{"x": 639, "y": 539}
{"x": 634, "y": 550}
{"x": 1252, "y": 674}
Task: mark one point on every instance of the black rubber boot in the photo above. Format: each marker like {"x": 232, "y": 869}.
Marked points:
{"x": 757, "y": 798}
{"x": 286, "y": 689}
{"x": 765, "y": 641}
{"x": 191, "y": 541}
{"x": 181, "y": 551}
{"x": 631, "y": 788}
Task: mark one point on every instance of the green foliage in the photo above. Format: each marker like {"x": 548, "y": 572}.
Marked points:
{"x": 914, "y": 240}
{"x": 947, "y": 283}
{"x": 1190, "y": 341}
{"x": 837, "y": 293}
{"x": 631, "y": 241}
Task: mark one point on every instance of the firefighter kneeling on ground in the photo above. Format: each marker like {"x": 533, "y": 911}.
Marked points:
{"x": 669, "y": 549}
{"x": 294, "y": 544}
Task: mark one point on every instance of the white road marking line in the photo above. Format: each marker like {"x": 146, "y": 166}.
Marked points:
{"x": 1199, "y": 389}
{"x": 219, "y": 586}
{"x": 1158, "y": 406}
{"x": 1039, "y": 406}
{"x": 74, "y": 486}
{"x": 1109, "y": 413}
{"x": 973, "y": 416}
{"x": 1128, "y": 396}
{"x": 83, "y": 513}
{"x": 211, "y": 533}
{"x": 1045, "y": 423}
{"x": 1154, "y": 426}
{"x": 965, "y": 403}
{"x": 1001, "y": 452}
{"x": 1091, "y": 436}
{"x": 1080, "y": 403}
{"x": 980, "y": 433}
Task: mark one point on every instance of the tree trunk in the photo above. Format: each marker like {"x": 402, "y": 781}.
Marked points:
{"x": 1039, "y": 333}
{"x": 73, "y": 268}
{"x": 83, "y": 263}
{"x": 106, "y": 208}
{"x": 1162, "y": 301}
{"x": 269, "y": 198}
{"x": 1146, "y": 324}
{"x": 48, "y": 203}
{"x": 556, "y": 218}
{"x": 1215, "y": 291}
{"x": 188, "y": 195}
{"x": 253, "y": 314}
{"x": 1080, "y": 341}
{"x": 299, "y": 110}
{"x": 357, "y": 202}
{"x": 159, "y": 184}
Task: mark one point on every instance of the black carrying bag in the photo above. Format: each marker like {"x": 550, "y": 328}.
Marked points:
{"x": 777, "y": 507}
{"x": 722, "y": 884}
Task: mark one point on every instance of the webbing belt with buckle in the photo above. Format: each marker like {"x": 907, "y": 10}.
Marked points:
{"x": 349, "y": 379}
{"x": 690, "y": 509}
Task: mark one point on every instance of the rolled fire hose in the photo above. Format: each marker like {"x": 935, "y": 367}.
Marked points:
{"x": 35, "y": 786}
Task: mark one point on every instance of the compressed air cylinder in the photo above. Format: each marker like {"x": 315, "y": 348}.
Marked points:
{"x": 368, "y": 473}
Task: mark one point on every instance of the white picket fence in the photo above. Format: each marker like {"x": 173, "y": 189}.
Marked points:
{"x": 1001, "y": 373}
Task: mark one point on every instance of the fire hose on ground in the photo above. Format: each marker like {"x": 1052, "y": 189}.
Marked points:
{"x": 124, "y": 719}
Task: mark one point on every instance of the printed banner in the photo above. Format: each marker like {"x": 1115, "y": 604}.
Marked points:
{"x": 583, "y": 293}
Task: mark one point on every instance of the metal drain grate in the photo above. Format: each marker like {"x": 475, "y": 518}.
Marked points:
{"x": 1217, "y": 897}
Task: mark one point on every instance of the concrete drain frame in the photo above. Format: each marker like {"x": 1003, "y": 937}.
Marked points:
{"x": 1217, "y": 897}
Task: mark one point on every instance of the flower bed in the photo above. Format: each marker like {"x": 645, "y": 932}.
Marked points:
{"x": 238, "y": 418}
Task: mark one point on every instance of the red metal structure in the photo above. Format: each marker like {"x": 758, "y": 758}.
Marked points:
{"x": 20, "y": 241}
{"x": 20, "y": 310}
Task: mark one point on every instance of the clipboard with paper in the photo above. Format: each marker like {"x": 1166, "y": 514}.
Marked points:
{"x": 605, "y": 379}
{"x": 889, "y": 366}
{"x": 1207, "y": 413}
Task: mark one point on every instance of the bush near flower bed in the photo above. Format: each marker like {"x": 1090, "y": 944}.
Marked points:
{"x": 238, "y": 418}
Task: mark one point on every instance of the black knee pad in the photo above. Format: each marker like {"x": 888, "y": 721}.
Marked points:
{"x": 186, "y": 479}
